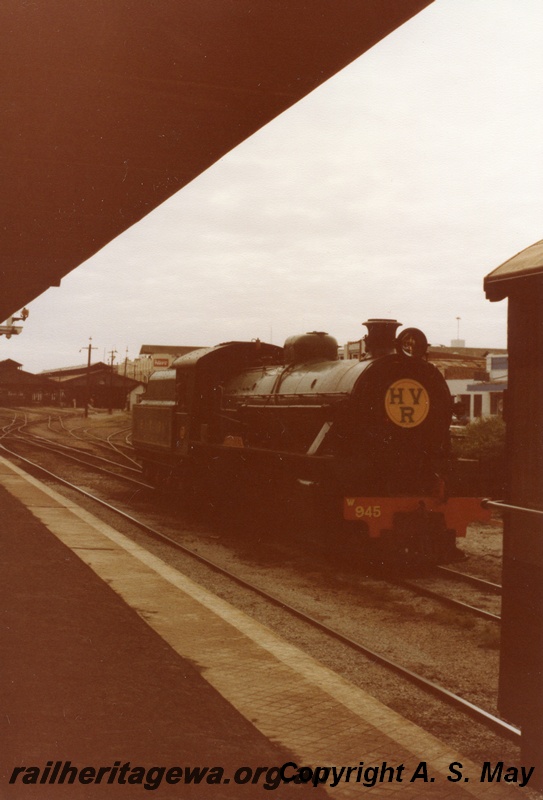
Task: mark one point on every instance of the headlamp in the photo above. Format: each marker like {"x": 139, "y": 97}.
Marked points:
{"x": 411, "y": 342}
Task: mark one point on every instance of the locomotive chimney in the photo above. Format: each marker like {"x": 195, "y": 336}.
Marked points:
{"x": 381, "y": 336}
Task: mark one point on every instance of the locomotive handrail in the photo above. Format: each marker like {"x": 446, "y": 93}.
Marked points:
{"x": 284, "y": 406}
{"x": 269, "y": 395}
{"x": 283, "y": 454}
{"x": 509, "y": 507}
{"x": 280, "y": 401}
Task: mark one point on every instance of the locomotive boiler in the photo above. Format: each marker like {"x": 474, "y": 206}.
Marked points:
{"x": 363, "y": 442}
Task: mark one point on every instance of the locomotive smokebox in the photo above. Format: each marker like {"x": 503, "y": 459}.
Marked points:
{"x": 381, "y": 337}
{"x": 313, "y": 346}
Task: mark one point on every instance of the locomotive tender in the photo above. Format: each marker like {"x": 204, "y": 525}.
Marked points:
{"x": 364, "y": 441}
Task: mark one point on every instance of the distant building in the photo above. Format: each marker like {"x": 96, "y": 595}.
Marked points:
{"x": 102, "y": 385}
{"x": 152, "y": 357}
{"x": 476, "y": 377}
{"x": 18, "y": 387}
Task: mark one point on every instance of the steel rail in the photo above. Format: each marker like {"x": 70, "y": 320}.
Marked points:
{"x": 484, "y": 717}
{"x": 59, "y": 452}
{"x": 450, "y": 601}
{"x": 108, "y": 445}
{"x": 34, "y": 438}
{"x": 118, "y": 450}
{"x": 481, "y": 583}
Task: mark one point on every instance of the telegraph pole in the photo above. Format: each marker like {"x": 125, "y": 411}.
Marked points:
{"x": 127, "y": 402}
{"x": 89, "y": 347}
{"x": 112, "y": 353}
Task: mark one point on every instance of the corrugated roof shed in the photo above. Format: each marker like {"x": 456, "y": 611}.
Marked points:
{"x": 455, "y": 353}
{"x": 67, "y": 372}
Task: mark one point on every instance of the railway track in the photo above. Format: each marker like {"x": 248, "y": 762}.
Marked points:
{"x": 418, "y": 587}
{"x": 89, "y": 436}
{"x": 14, "y": 431}
{"x": 472, "y": 580}
{"x": 484, "y": 717}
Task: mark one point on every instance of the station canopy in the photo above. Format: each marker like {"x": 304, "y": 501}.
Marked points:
{"x": 109, "y": 107}
{"x": 515, "y": 272}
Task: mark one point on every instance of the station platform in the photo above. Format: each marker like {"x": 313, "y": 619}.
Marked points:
{"x": 122, "y": 677}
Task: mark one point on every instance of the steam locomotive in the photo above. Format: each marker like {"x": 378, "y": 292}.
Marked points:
{"x": 363, "y": 442}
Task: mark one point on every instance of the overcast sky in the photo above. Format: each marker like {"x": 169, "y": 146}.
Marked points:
{"x": 390, "y": 191}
